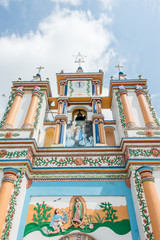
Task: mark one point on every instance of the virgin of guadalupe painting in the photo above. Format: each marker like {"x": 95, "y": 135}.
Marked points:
{"x": 77, "y": 212}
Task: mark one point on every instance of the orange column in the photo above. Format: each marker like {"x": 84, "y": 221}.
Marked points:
{"x": 5, "y": 193}
{"x": 61, "y": 89}
{"x": 147, "y": 115}
{"x": 99, "y": 107}
{"x": 60, "y": 107}
{"x": 152, "y": 199}
{"x": 9, "y": 123}
{"x": 126, "y": 108}
{"x": 29, "y": 120}
{"x": 57, "y": 132}
{"x": 97, "y": 89}
{"x": 101, "y": 131}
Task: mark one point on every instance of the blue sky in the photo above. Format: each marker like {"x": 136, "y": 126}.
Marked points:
{"x": 50, "y": 32}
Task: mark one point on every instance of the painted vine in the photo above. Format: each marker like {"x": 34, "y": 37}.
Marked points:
{"x": 153, "y": 152}
{"x": 143, "y": 207}
{"x": 16, "y": 154}
{"x": 12, "y": 206}
{"x": 117, "y": 161}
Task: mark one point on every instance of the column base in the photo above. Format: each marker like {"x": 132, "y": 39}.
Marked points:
{"x": 151, "y": 125}
{"x": 130, "y": 125}
{"x": 27, "y": 126}
{"x": 7, "y": 126}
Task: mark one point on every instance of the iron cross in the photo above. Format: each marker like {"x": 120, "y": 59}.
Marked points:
{"x": 40, "y": 68}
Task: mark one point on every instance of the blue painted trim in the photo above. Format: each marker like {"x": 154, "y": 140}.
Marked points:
{"x": 61, "y": 134}
{"x": 10, "y": 169}
{"x": 94, "y": 188}
{"x": 97, "y": 133}
{"x": 145, "y": 168}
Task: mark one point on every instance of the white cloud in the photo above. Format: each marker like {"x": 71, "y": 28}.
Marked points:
{"x": 63, "y": 34}
{"x": 4, "y": 3}
{"x": 108, "y": 4}
{"x": 72, "y": 2}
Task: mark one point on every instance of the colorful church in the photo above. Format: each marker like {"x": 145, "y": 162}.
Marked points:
{"x": 80, "y": 166}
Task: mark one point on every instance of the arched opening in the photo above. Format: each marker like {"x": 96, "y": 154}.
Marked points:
{"x": 79, "y": 115}
{"x": 110, "y": 139}
{"x": 49, "y": 136}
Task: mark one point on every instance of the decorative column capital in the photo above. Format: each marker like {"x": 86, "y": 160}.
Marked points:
{"x": 146, "y": 173}
{"x": 19, "y": 91}
{"x": 139, "y": 90}
{"x": 36, "y": 91}
{"x": 122, "y": 90}
{"x": 10, "y": 174}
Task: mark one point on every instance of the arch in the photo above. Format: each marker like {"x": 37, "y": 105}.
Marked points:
{"x": 49, "y": 137}
{"x": 110, "y": 138}
{"x": 76, "y": 111}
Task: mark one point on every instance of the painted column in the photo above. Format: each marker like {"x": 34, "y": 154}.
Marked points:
{"x": 29, "y": 120}
{"x": 97, "y": 90}
{"x": 97, "y": 131}
{"x": 99, "y": 111}
{"x": 94, "y": 107}
{"x": 64, "y": 107}
{"x": 61, "y": 89}
{"x": 60, "y": 104}
{"x": 93, "y": 88}
{"x": 61, "y": 132}
{"x": 147, "y": 115}
{"x": 126, "y": 107}
{"x": 57, "y": 132}
{"x": 101, "y": 131}
{"x": 152, "y": 199}
{"x": 6, "y": 192}
{"x": 9, "y": 123}
{"x": 65, "y": 90}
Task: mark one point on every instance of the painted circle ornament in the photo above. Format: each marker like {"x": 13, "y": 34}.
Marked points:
{"x": 79, "y": 84}
{"x": 77, "y": 236}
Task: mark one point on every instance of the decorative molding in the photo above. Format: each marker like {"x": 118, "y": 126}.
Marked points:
{"x": 79, "y": 161}
{"x": 143, "y": 207}
{"x": 11, "y": 209}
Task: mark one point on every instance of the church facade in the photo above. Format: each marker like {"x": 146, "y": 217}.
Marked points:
{"x": 80, "y": 165}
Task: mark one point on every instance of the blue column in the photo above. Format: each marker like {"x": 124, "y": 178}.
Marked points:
{"x": 97, "y": 132}
{"x": 64, "y": 107}
{"x": 94, "y": 107}
{"x": 93, "y": 89}
{"x": 61, "y": 132}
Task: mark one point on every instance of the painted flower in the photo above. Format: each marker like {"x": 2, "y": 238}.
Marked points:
{"x": 8, "y": 134}
{"x": 91, "y": 226}
{"x": 149, "y": 133}
{"x": 78, "y": 161}
{"x": 155, "y": 152}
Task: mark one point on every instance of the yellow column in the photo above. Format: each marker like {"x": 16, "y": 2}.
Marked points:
{"x": 152, "y": 199}
{"x": 126, "y": 108}
{"x": 29, "y": 120}
{"x": 147, "y": 115}
{"x": 57, "y": 132}
{"x": 9, "y": 123}
{"x": 101, "y": 131}
{"x": 5, "y": 193}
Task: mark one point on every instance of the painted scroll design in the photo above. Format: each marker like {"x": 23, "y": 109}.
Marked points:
{"x": 141, "y": 152}
{"x": 38, "y": 110}
{"x": 143, "y": 207}
{"x": 16, "y": 154}
{"x": 12, "y": 208}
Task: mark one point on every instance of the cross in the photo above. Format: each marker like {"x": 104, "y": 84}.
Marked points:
{"x": 40, "y": 68}
{"x": 119, "y": 67}
{"x": 79, "y": 58}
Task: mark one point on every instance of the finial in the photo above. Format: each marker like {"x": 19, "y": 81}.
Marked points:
{"x": 140, "y": 76}
{"x": 19, "y": 79}
{"x": 47, "y": 79}
{"x": 112, "y": 78}
{"x": 39, "y": 69}
{"x": 79, "y": 59}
